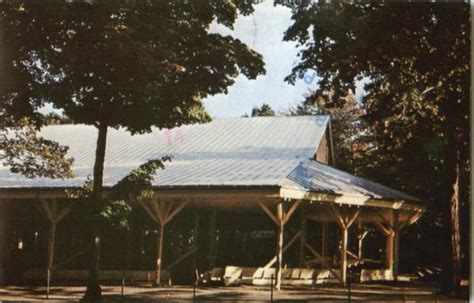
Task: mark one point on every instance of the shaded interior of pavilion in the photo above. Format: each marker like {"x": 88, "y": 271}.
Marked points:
{"x": 182, "y": 233}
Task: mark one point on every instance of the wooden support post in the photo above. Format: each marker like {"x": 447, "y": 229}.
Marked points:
{"x": 279, "y": 245}
{"x": 4, "y": 247}
{"x": 159, "y": 253}
{"x": 280, "y": 218}
{"x": 213, "y": 239}
{"x": 344, "y": 238}
{"x": 54, "y": 214}
{"x": 345, "y": 221}
{"x": 161, "y": 213}
{"x": 391, "y": 229}
{"x": 302, "y": 255}
{"x": 51, "y": 245}
{"x": 360, "y": 239}
{"x": 389, "y": 252}
{"x": 195, "y": 242}
{"x": 396, "y": 237}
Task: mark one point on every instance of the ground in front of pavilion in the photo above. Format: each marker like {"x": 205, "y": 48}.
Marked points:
{"x": 393, "y": 292}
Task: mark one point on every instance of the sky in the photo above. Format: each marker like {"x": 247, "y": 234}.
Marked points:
{"x": 262, "y": 31}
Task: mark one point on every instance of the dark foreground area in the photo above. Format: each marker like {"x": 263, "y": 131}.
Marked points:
{"x": 394, "y": 292}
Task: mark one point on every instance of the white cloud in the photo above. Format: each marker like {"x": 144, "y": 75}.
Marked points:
{"x": 263, "y": 31}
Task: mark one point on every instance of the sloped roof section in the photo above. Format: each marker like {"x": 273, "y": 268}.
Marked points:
{"x": 259, "y": 151}
{"x": 313, "y": 176}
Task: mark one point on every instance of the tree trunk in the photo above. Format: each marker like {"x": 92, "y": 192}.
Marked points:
{"x": 452, "y": 274}
{"x": 455, "y": 230}
{"x": 93, "y": 291}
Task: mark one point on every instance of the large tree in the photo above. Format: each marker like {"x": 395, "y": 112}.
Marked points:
{"x": 415, "y": 57}
{"x": 131, "y": 64}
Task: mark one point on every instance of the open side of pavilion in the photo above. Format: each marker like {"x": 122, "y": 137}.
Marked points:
{"x": 279, "y": 166}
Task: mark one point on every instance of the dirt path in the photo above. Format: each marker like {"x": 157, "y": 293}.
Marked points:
{"x": 361, "y": 293}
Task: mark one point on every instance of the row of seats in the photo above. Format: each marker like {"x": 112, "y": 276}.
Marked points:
{"x": 236, "y": 275}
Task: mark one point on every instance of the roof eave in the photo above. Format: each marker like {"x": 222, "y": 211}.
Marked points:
{"x": 357, "y": 200}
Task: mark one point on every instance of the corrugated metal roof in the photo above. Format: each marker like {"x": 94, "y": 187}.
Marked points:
{"x": 255, "y": 151}
{"x": 313, "y": 176}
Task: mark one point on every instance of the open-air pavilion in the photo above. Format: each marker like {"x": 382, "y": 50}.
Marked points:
{"x": 281, "y": 168}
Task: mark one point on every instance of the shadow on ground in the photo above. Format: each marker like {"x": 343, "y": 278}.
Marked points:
{"x": 376, "y": 292}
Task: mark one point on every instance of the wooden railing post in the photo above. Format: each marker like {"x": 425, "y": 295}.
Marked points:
{"x": 159, "y": 253}
{"x": 279, "y": 245}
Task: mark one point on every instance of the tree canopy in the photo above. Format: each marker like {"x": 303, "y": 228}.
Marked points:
{"x": 131, "y": 64}
{"x": 415, "y": 61}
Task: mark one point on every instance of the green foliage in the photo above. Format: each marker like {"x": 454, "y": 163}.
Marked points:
{"x": 416, "y": 107}
{"x": 264, "y": 111}
{"x": 128, "y": 63}
{"x": 115, "y": 208}
{"x": 26, "y": 153}
{"x": 53, "y": 118}
{"x": 138, "y": 184}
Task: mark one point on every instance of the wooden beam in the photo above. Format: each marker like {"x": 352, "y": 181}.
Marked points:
{"x": 337, "y": 215}
{"x": 169, "y": 207}
{"x": 351, "y": 220}
{"x": 41, "y": 210}
{"x": 360, "y": 242}
{"x": 71, "y": 257}
{"x": 181, "y": 258}
{"x": 145, "y": 205}
{"x": 290, "y": 212}
{"x": 353, "y": 255}
{"x": 268, "y": 212}
{"x": 47, "y": 210}
{"x": 64, "y": 212}
{"x": 287, "y": 245}
{"x": 384, "y": 220}
{"x": 155, "y": 204}
{"x": 322, "y": 261}
{"x": 385, "y": 230}
{"x": 176, "y": 211}
{"x": 412, "y": 219}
